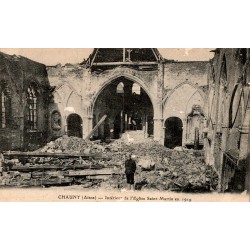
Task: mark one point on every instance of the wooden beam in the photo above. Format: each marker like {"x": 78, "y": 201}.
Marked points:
{"x": 97, "y": 177}
{"x": 108, "y": 171}
{"x": 96, "y": 127}
{"x": 18, "y": 154}
{"x": 123, "y": 63}
{"x": 59, "y": 167}
{"x": 156, "y": 56}
{"x": 94, "y": 57}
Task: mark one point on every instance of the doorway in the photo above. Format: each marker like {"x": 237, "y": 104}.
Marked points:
{"x": 74, "y": 124}
{"x": 173, "y": 132}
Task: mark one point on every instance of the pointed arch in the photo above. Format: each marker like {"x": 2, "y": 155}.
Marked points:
{"x": 5, "y": 105}
{"x": 176, "y": 103}
{"x": 192, "y": 97}
{"x": 236, "y": 107}
{"x": 114, "y": 77}
{"x": 164, "y": 101}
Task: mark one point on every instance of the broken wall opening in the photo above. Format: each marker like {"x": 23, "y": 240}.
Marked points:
{"x": 128, "y": 108}
{"x": 173, "y": 132}
{"x": 74, "y": 125}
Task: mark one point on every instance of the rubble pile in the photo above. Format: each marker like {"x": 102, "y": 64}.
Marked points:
{"x": 93, "y": 164}
{"x": 160, "y": 168}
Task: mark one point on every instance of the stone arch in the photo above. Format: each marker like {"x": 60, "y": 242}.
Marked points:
{"x": 74, "y": 103}
{"x": 165, "y": 100}
{"x": 236, "y": 107}
{"x": 184, "y": 100}
{"x": 194, "y": 99}
{"x": 176, "y": 103}
{"x": 112, "y": 78}
{"x": 64, "y": 91}
{"x": 125, "y": 110}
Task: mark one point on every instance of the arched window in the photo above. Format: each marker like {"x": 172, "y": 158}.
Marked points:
{"x": 120, "y": 88}
{"x": 136, "y": 89}
{"x": 4, "y": 109}
{"x": 32, "y": 108}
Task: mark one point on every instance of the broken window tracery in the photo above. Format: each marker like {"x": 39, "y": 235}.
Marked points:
{"x": 32, "y": 108}
{"x": 4, "y": 109}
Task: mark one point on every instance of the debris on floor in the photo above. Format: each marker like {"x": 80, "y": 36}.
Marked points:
{"x": 94, "y": 164}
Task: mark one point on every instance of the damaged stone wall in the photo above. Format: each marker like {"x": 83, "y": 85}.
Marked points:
{"x": 17, "y": 74}
{"x": 194, "y": 72}
{"x": 173, "y": 88}
{"x": 68, "y": 96}
{"x": 227, "y": 136}
{"x": 185, "y": 87}
{"x": 77, "y": 89}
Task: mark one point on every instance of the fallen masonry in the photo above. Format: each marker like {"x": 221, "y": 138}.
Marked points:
{"x": 71, "y": 161}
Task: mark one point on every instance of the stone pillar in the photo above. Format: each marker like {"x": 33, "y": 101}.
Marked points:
{"x": 65, "y": 130}
{"x": 184, "y": 131}
{"x": 218, "y": 160}
{"x": 158, "y": 113}
{"x": 158, "y": 125}
{"x": 145, "y": 126}
{"x": 89, "y": 125}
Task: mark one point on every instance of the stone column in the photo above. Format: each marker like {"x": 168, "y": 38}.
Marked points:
{"x": 158, "y": 113}
{"x": 158, "y": 127}
{"x": 89, "y": 125}
{"x": 65, "y": 130}
{"x": 184, "y": 131}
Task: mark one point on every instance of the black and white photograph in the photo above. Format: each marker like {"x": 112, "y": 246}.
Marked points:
{"x": 125, "y": 124}
{"x": 108, "y": 143}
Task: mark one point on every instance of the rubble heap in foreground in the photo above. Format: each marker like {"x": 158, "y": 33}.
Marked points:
{"x": 74, "y": 161}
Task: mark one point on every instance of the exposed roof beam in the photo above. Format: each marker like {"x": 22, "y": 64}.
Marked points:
{"x": 94, "y": 57}
{"x": 123, "y": 63}
{"x": 156, "y": 56}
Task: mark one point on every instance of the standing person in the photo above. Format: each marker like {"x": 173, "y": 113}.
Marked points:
{"x": 130, "y": 167}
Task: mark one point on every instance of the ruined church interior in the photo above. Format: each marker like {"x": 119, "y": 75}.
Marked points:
{"x": 137, "y": 97}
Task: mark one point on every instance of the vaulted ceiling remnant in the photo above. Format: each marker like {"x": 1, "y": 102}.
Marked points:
{"x": 141, "y": 58}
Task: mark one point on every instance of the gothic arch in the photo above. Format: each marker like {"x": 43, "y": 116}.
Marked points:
{"x": 166, "y": 98}
{"x": 114, "y": 77}
{"x": 176, "y": 104}
{"x": 66, "y": 97}
{"x": 236, "y": 106}
{"x": 190, "y": 99}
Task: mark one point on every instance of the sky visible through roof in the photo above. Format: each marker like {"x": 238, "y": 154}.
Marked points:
{"x": 53, "y": 56}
